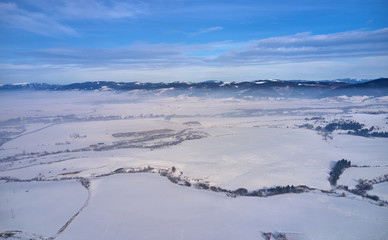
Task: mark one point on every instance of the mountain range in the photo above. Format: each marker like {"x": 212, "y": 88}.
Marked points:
{"x": 258, "y": 88}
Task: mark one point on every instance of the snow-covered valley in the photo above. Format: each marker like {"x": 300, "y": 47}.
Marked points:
{"x": 211, "y": 167}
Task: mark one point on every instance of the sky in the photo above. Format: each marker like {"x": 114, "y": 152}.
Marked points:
{"x": 66, "y": 41}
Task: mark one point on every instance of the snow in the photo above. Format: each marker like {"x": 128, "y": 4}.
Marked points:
{"x": 250, "y": 157}
{"x": 381, "y": 190}
{"x": 225, "y": 83}
{"x": 91, "y": 132}
{"x": 361, "y": 150}
{"x": 250, "y": 144}
{"x": 230, "y": 157}
{"x": 106, "y": 88}
{"x": 234, "y": 155}
{"x": 351, "y": 175}
{"x": 21, "y": 84}
{"x": 144, "y": 206}
{"x": 246, "y": 147}
{"x": 40, "y": 208}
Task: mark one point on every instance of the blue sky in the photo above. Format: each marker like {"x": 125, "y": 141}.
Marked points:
{"x": 65, "y": 41}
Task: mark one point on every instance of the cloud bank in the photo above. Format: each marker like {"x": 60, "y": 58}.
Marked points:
{"x": 305, "y": 46}
{"x": 362, "y": 53}
{"x": 286, "y": 49}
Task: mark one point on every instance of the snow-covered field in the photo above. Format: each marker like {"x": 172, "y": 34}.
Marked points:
{"x": 381, "y": 190}
{"x": 222, "y": 142}
{"x": 40, "y": 208}
{"x": 144, "y": 206}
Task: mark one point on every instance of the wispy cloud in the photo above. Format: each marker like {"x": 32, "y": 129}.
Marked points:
{"x": 91, "y": 9}
{"x": 369, "y": 68}
{"x": 200, "y": 32}
{"x": 304, "y": 55}
{"x": 212, "y": 29}
{"x": 305, "y": 47}
{"x": 140, "y": 53}
{"x": 298, "y": 47}
{"x": 50, "y": 17}
{"x": 13, "y": 16}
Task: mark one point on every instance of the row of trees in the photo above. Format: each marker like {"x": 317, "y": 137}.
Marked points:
{"x": 344, "y": 125}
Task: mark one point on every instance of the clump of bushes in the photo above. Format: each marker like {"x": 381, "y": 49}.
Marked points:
{"x": 337, "y": 170}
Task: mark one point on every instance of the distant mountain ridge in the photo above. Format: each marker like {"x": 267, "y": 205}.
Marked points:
{"x": 264, "y": 88}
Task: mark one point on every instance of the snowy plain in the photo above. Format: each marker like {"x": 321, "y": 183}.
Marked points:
{"x": 62, "y": 138}
{"x": 140, "y": 206}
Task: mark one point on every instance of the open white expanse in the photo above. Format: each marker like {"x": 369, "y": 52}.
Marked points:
{"x": 381, "y": 190}
{"x": 144, "y": 206}
{"x": 40, "y": 208}
{"x": 221, "y": 142}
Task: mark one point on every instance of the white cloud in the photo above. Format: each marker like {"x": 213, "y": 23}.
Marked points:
{"x": 13, "y": 16}
{"x": 355, "y": 54}
{"x": 305, "y": 47}
{"x": 203, "y": 31}
{"x": 90, "y": 9}
{"x": 49, "y": 17}
{"x": 212, "y": 29}
{"x": 137, "y": 54}
{"x": 288, "y": 49}
{"x": 360, "y": 67}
